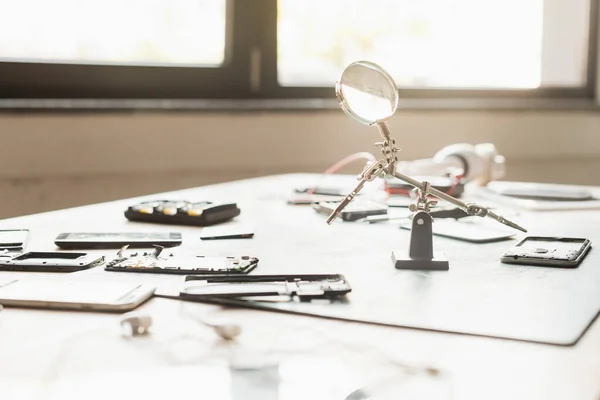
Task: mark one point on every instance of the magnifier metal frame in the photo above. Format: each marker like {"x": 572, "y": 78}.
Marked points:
{"x": 344, "y": 104}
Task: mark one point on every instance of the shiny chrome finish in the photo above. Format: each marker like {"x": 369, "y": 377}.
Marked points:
{"x": 369, "y": 94}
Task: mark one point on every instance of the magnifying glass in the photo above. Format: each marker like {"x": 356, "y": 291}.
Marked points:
{"x": 369, "y": 94}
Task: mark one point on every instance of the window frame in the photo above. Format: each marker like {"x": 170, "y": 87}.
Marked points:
{"x": 249, "y": 72}
{"x": 23, "y": 80}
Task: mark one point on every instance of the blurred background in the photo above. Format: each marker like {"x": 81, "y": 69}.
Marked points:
{"x": 101, "y": 100}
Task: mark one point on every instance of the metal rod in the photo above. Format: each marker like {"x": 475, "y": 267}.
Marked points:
{"x": 471, "y": 210}
{"x": 433, "y": 191}
{"x": 345, "y": 201}
{"x": 384, "y": 130}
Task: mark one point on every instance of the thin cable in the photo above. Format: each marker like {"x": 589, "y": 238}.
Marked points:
{"x": 342, "y": 163}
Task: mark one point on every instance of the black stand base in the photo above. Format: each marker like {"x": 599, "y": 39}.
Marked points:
{"x": 420, "y": 253}
{"x": 401, "y": 260}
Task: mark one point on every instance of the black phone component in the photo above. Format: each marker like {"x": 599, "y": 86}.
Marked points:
{"x": 116, "y": 240}
{"x": 49, "y": 261}
{"x": 177, "y": 212}
{"x": 548, "y": 251}
{"x": 302, "y": 287}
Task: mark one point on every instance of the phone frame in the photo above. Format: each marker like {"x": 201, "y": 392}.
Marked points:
{"x": 128, "y": 302}
{"x": 510, "y": 258}
{"x": 44, "y": 262}
{"x": 63, "y": 241}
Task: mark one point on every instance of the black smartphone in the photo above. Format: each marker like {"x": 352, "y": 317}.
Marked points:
{"x": 13, "y": 238}
{"x": 98, "y": 240}
{"x": 356, "y": 210}
{"x": 49, "y": 261}
{"x": 548, "y": 251}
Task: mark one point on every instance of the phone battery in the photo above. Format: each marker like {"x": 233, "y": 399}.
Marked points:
{"x": 548, "y": 251}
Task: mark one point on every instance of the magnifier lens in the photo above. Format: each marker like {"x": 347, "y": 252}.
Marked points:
{"x": 367, "y": 92}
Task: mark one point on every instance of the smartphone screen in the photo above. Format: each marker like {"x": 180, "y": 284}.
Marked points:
{"x": 13, "y": 239}
{"x": 73, "y": 294}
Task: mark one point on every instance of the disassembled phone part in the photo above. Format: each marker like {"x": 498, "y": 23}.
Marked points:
{"x": 548, "y": 251}
{"x": 202, "y": 213}
{"x": 302, "y": 287}
{"x": 159, "y": 263}
{"x": 50, "y": 261}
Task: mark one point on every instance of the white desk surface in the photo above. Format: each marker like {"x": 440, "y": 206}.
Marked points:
{"x": 78, "y": 355}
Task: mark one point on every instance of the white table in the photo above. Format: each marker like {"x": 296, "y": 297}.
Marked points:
{"x": 78, "y": 355}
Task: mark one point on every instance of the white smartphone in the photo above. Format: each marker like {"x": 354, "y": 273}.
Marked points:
{"x": 75, "y": 295}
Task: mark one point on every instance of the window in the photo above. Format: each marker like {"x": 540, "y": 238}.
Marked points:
{"x": 190, "y": 49}
{"x": 129, "y": 32}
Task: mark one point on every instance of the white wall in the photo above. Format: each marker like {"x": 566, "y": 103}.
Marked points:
{"x": 52, "y": 161}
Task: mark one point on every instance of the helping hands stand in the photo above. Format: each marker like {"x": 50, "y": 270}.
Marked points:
{"x": 420, "y": 251}
{"x": 369, "y": 94}
{"x": 420, "y": 254}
